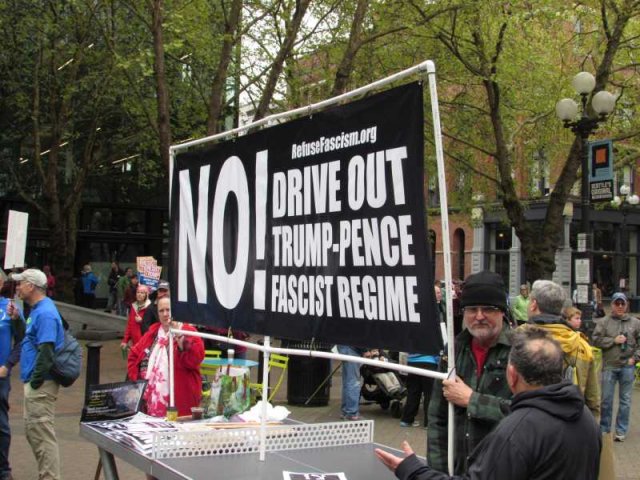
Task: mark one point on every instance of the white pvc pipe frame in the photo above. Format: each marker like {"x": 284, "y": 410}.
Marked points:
{"x": 428, "y": 68}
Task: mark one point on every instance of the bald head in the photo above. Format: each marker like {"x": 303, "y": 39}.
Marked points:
{"x": 536, "y": 356}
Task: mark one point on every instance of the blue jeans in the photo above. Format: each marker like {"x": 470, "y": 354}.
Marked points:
{"x": 624, "y": 376}
{"x": 350, "y": 383}
{"x": 5, "y": 432}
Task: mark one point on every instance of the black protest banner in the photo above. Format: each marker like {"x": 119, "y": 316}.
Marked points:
{"x": 313, "y": 229}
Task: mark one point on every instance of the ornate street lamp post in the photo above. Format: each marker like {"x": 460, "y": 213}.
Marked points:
{"x": 583, "y": 121}
{"x": 625, "y": 197}
{"x": 626, "y": 202}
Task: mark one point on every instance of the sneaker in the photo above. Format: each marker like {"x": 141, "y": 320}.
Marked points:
{"x": 407, "y": 424}
{"x": 619, "y": 438}
{"x": 353, "y": 418}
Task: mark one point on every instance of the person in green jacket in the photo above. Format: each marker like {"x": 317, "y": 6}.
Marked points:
{"x": 521, "y": 305}
{"x": 121, "y": 287}
{"x": 479, "y": 391}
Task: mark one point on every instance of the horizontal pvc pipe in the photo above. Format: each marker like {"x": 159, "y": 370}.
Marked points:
{"x": 318, "y": 354}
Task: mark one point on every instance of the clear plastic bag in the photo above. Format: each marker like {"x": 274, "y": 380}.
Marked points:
{"x": 230, "y": 393}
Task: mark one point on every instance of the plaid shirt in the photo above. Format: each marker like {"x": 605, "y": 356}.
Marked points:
{"x": 488, "y": 404}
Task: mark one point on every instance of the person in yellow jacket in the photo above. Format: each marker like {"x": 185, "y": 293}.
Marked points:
{"x": 545, "y": 306}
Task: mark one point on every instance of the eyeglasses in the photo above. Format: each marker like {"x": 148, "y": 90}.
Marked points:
{"x": 620, "y": 303}
{"x": 473, "y": 310}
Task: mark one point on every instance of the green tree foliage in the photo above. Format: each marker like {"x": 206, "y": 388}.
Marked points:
{"x": 89, "y": 82}
{"x": 515, "y": 60}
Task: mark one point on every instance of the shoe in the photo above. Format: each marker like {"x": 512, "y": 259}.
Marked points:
{"x": 353, "y": 418}
{"x": 412, "y": 424}
{"x": 619, "y": 438}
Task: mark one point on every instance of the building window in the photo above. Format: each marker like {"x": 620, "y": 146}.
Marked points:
{"x": 458, "y": 253}
{"x": 499, "y": 244}
{"x": 434, "y": 194}
{"x": 540, "y": 174}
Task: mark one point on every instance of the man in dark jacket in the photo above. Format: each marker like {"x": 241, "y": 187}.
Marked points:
{"x": 549, "y": 434}
{"x": 479, "y": 392}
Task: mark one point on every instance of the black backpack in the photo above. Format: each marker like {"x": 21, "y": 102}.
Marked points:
{"x": 67, "y": 362}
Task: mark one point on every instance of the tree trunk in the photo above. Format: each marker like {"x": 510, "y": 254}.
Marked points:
{"x": 539, "y": 247}
{"x": 278, "y": 63}
{"x": 216, "y": 100}
{"x": 162, "y": 92}
{"x": 345, "y": 69}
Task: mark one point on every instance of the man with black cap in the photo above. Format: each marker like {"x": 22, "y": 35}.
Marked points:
{"x": 479, "y": 391}
{"x": 618, "y": 335}
{"x": 151, "y": 314}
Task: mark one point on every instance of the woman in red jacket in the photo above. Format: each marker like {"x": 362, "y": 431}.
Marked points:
{"x": 149, "y": 359}
{"x": 136, "y": 312}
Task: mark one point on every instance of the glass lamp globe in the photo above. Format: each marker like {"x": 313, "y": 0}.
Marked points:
{"x": 566, "y": 109}
{"x": 584, "y": 83}
{"x": 603, "y": 102}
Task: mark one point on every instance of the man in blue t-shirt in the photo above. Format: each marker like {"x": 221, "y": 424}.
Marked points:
{"x": 44, "y": 335}
{"x": 11, "y": 335}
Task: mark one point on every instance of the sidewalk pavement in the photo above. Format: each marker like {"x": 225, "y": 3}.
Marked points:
{"x": 79, "y": 458}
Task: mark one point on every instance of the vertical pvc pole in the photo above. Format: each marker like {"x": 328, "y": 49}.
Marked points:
{"x": 171, "y": 385}
{"x": 265, "y": 397}
{"x": 446, "y": 245}
{"x": 172, "y": 159}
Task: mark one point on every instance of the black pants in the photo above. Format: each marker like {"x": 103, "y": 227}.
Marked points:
{"x": 417, "y": 386}
{"x": 88, "y": 300}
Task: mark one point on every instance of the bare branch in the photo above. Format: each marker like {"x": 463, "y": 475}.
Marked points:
{"x": 529, "y": 121}
{"x": 626, "y": 136}
{"x": 468, "y": 165}
{"x": 499, "y": 46}
{"x": 468, "y": 144}
{"x": 605, "y": 21}
{"x": 470, "y": 106}
{"x": 285, "y": 50}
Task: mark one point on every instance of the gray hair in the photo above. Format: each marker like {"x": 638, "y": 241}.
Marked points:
{"x": 549, "y": 296}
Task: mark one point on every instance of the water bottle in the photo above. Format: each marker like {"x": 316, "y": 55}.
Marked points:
{"x": 623, "y": 346}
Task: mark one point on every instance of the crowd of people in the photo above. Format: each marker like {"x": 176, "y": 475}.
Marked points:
{"x": 33, "y": 338}
{"x": 531, "y": 400}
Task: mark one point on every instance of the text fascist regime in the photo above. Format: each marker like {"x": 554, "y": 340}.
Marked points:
{"x": 387, "y": 298}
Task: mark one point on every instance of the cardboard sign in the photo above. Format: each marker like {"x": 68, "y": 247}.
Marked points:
{"x": 16, "y": 239}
